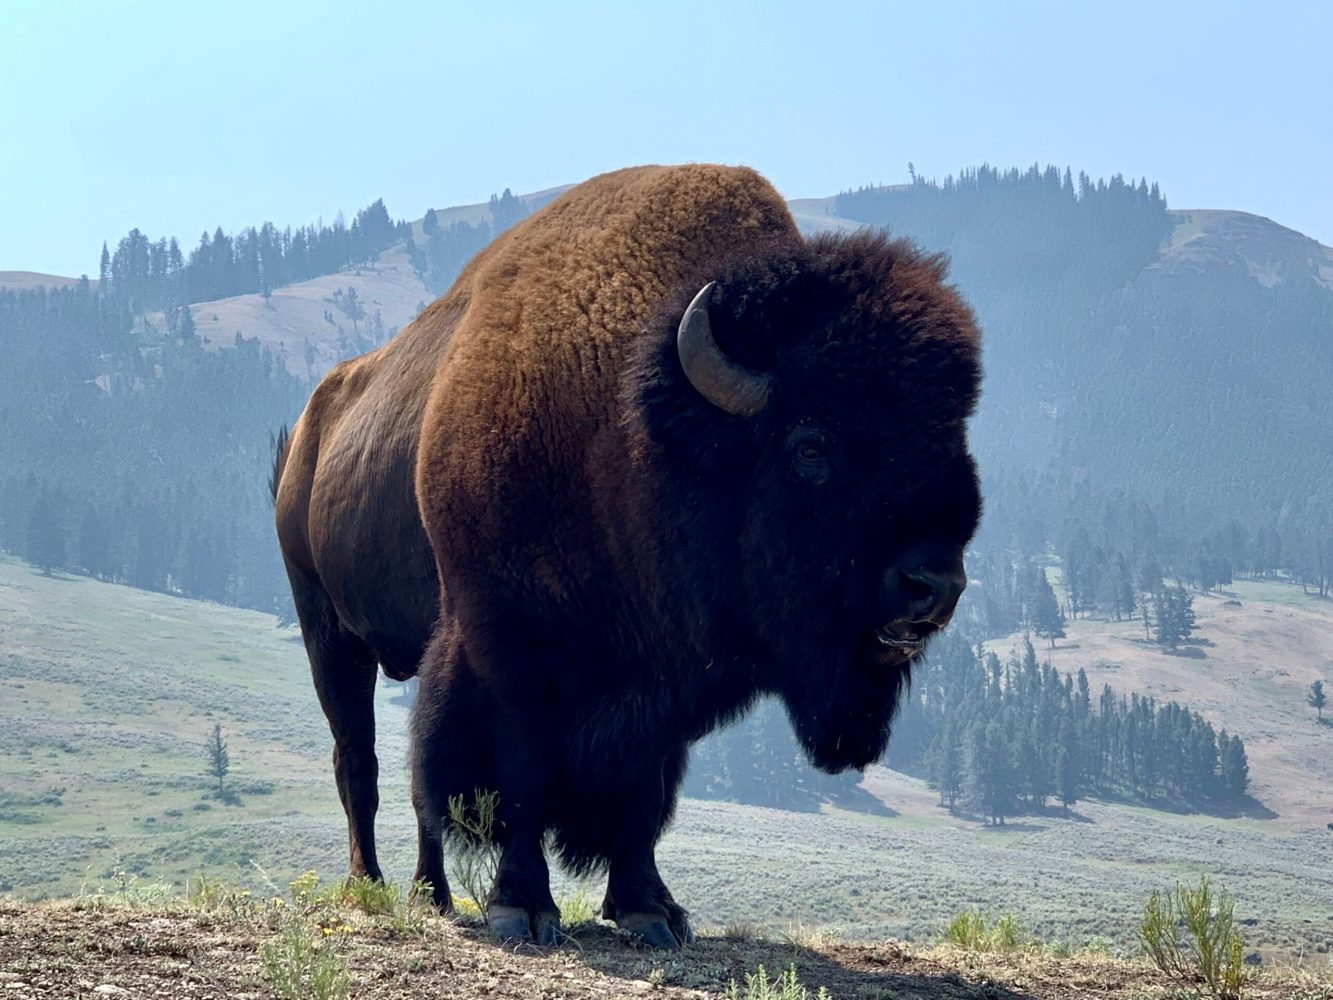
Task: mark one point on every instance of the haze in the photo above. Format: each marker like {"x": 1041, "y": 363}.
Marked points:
{"x": 176, "y": 118}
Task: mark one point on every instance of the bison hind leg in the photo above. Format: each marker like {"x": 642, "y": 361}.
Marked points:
{"x": 344, "y": 671}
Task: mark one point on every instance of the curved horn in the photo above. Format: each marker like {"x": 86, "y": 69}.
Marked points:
{"x": 724, "y": 383}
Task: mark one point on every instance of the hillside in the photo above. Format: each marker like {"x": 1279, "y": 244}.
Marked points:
{"x": 303, "y": 323}
{"x": 1260, "y": 646}
{"x": 109, "y": 694}
{"x": 1079, "y": 376}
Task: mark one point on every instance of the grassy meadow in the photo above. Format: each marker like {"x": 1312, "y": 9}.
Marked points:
{"x": 108, "y": 695}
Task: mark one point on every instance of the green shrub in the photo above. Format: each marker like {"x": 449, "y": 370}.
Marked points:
{"x": 402, "y": 912}
{"x": 298, "y": 963}
{"x": 973, "y": 930}
{"x": 786, "y": 987}
{"x": 477, "y": 856}
{"x": 1192, "y": 935}
{"x": 211, "y": 895}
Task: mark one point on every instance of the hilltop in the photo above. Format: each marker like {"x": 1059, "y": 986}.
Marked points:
{"x": 22, "y": 280}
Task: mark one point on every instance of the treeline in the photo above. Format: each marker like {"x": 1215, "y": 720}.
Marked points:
{"x": 448, "y": 248}
{"x": 1116, "y": 551}
{"x": 1125, "y": 348}
{"x": 1076, "y": 240}
{"x": 999, "y": 738}
{"x": 139, "y": 456}
{"x": 135, "y": 462}
{"x": 143, "y": 275}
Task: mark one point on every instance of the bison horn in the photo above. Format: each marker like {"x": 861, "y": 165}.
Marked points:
{"x": 724, "y": 383}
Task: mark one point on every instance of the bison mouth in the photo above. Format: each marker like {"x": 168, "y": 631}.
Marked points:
{"x": 895, "y": 637}
{"x": 895, "y": 643}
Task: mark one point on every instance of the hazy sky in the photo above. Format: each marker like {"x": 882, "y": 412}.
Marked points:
{"x": 176, "y": 117}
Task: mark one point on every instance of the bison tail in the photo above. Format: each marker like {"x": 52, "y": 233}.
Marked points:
{"x": 277, "y": 444}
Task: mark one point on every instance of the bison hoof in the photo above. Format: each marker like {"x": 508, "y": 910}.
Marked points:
{"x": 513, "y": 923}
{"x": 667, "y": 933}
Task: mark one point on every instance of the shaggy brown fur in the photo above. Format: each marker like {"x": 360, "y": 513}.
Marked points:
{"x": 622, "y": 565}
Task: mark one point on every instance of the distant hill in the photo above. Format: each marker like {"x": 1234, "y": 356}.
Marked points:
{"x": 1180, "y": 358}
{"x": 23, "y": 280}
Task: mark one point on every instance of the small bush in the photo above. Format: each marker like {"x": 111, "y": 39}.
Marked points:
{"x": 973, "y": 930}
{"x": 1191, "y": 935}
{"x": 477, "y": 856}
{"x": 212, "y": 895}
{"x": 297, "y": 963}
{"x": 125, "y": 892}
{"x": 786, "y": 987}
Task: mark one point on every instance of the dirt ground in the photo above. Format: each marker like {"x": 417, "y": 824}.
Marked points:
{"x": 70, "y": 950}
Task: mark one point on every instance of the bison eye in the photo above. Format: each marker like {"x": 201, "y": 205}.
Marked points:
{"x": 810, "y": 458}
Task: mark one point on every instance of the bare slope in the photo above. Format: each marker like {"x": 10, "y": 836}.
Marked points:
{"x": 304, "y": 322}
{"x": 1268, "y": 252}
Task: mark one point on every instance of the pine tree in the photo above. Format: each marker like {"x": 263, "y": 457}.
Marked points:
{"x": 46, "y": 535}
{"x": 1069, "y": 765}
{"x": 944, "y": 763}
{"x": 215, "y": 752}
{"x": 1048, "y": 619}
{"x": 1175, "y": 617}
{"x": 93, "y": 548}
{"x": 1316, "y": 699}
{"x": 1233, "y": 765}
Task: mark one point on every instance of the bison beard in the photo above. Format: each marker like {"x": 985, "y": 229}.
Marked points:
{"x": 669, "y": 456}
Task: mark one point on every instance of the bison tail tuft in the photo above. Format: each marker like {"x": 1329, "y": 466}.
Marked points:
{"x": 277, "y": 444}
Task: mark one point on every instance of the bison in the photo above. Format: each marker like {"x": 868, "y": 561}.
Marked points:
{"x": 653, "y": 456}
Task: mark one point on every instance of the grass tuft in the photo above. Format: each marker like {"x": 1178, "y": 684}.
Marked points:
{"x": 577, "y": 908}
{"x": 973, "y": 930}
{"x": 785, "y": 987}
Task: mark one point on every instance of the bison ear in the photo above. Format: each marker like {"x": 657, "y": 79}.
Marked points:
{"x": 724, "y": 383}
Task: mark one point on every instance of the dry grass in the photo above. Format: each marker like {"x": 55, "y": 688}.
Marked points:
{"x": 69, "y": 950}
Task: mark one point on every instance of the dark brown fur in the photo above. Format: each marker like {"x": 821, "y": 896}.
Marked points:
{"x": 621, "y": 565}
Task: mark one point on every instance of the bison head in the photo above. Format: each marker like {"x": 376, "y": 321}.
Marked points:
{"x": 817, "y": 405}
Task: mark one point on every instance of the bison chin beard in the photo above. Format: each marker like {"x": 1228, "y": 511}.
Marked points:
{"x": 843, "y": 720}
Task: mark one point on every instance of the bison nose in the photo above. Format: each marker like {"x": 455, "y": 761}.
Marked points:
{"x": 929, "y": 595}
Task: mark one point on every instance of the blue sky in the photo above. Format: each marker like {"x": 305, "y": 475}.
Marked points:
{"x": 177, "y": 117}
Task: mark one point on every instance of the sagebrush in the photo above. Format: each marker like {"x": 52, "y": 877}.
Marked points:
{"x": 1191, "y": 934}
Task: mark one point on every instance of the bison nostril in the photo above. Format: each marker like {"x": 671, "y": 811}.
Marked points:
{"x": 929, "y": 595}
{"x": 918, "y": 588}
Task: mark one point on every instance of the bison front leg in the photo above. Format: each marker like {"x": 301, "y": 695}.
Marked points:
{"x": 636, "y": 897}
{"x": 520, "y": 905}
